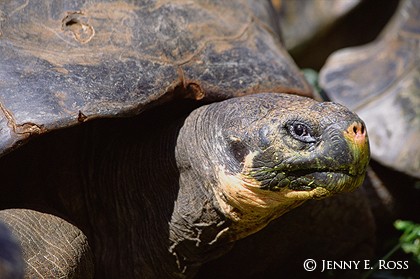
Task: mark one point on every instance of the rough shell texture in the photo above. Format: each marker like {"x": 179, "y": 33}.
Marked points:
{"x": 381, "y": 82}
{"x": 66, "y": 62}
{"x": 302, "y": 20}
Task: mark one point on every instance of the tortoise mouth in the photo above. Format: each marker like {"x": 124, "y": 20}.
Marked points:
{"x": 332, "y": 180}
{"x": 308, "y": 179}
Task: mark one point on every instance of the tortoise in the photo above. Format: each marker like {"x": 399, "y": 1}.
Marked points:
{"x": 380, "y": 82}
{"x": 143, "y": 139}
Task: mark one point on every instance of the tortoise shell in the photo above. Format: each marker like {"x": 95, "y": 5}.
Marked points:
{"x": 63, "y": 63}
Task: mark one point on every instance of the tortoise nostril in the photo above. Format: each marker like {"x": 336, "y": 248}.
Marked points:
{"x": 357, "y": 131}
{"x": 357, "y": 128}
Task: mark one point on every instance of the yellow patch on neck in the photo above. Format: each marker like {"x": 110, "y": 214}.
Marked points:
{"x": 251, "y": 208}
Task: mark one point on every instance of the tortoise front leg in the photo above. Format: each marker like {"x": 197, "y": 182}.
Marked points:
{"x": 51, "y": 247}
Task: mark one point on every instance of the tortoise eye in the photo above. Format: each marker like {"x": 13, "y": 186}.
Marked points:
{"x": 301, "y": 132}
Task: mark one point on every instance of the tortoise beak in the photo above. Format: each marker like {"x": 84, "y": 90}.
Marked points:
{"x": 358, "y": 143}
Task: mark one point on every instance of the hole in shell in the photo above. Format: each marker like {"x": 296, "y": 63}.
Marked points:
{"x": 77, "y": 24}
{"x": 71, "y": 22}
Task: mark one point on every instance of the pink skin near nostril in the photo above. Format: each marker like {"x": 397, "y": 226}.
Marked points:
{"x": 359, "y": 131}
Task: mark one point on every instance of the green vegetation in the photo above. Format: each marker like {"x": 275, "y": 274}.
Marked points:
{"x": 410, "y": 239}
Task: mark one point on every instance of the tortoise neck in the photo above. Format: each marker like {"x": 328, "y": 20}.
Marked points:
{"x": 197, "y": 228}
{"x": 199, "y": 231}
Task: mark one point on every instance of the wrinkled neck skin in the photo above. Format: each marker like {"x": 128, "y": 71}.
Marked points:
{"x": 197, "y": 228}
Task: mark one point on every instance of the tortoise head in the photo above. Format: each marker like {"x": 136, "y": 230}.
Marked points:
{"x": 268, "y": 153}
